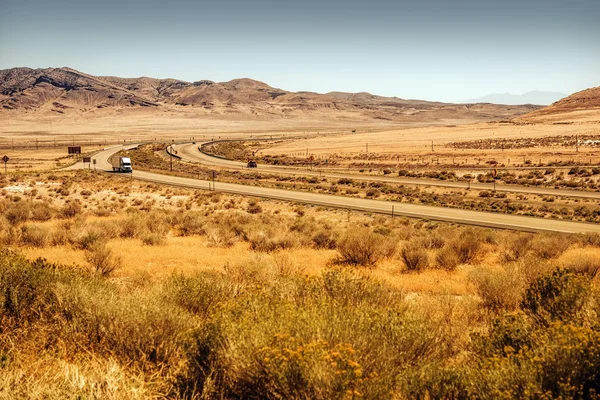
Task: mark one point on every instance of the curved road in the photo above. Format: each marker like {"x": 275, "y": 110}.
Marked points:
{"x": 189, "y": 152}
{"x": 493, "y": 220}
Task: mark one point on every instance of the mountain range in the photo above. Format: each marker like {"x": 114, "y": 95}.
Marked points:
{"x": 534, "y": 97}
{"x": 65, "y": 91}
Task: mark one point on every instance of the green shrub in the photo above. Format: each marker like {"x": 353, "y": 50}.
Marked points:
{"x": 292, "y": 341}
{"x": 560, "y": 296}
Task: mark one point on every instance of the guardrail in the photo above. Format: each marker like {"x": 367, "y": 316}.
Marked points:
{"x": 171, "y": 152}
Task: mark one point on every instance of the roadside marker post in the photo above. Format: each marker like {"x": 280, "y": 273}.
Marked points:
{"x": 5, "y": 160}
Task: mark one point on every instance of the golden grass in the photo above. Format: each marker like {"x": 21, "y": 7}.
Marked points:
{"x": 185, "y": 255}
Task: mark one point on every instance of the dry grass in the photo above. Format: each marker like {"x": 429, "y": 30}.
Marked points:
{"x": 264, "y": 298}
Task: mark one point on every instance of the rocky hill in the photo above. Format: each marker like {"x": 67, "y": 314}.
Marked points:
{"x": 64, "y": 91}
{"x": 588, "y": 99}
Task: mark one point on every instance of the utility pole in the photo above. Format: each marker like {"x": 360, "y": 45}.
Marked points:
{"x": 576, "y": 144}
{"x": 367, "y": 148}
{"x": 432, "y": 146}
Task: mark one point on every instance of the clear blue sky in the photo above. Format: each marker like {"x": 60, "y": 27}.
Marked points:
{"x": 430, "y": 49}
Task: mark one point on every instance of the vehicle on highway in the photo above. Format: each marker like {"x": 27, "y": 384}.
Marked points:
{"x": 252, "y": 164}
{"x": 120, "y": 164}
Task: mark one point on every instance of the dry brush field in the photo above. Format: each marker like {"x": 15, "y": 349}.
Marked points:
{"x": 117, "y": 289}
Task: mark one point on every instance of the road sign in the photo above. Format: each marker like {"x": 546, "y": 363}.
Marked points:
{"x": 74, "y": 149}
{"x": 87, "y": 160}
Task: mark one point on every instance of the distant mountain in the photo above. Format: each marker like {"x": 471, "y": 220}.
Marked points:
{"x": 533, "y": 97}
{"x": 67, "y": 91}
{"x": 588, "y": 99}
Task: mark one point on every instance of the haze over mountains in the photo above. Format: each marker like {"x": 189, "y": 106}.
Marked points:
{"x": 534, "y": 97}
{"x": 67, "y": 91}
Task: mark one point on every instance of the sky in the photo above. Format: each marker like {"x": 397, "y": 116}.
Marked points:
{"x": 440, "y": 50}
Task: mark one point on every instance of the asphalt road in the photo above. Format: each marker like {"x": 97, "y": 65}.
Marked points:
{"x": 189, "y": 152}
{"x": 493, "y": 220}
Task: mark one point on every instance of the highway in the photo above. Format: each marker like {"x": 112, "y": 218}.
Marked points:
{"x": 493, "y": 220}
{"x": 189, "y": 152}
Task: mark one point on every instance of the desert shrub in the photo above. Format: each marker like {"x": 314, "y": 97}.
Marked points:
{"x": 254, "y": 207}
{"x": 266, "y": 241}
{"x": 41, "y": 212}
{"x": 499, "y": 289}
{"x": 432, "y": 241}
{"x": 560, "y": 296}
{"x": 192, "y": 223}
{"x": 532, "y": 267}
{"x": 35, "y": 235}
{"x": 254, "y": 271}
{"x": 549, "y": 246}
{"x": 199, "y": 294}
{"x": 290, "y": 343}
{"x": 569, "y": 359}
{"x": 415, "y": 258}
{"x": 561, "y": 361}
{"x": 101, "y": 258}
{"x": 134, "y": 226}
{"x": 583, "y": 262}
{"x": 589, "y": 239}
{"x": 71, "y": 209}
{"x": 17, "y": 213}
{"x": 517, "y": 248}
{"x": 220, "y": 236}
{"x": 447, "y": 259}
{"x": 372, "y": 193}
{"x": 324, "y": 240}
{"x": 286, "y": 266}
{"x": 26, "y": 289}
{"x": 141, "y": 331}
{"x": 360, "y": 246}
{"x": 467, "y": 247}
{"x": 61, "y": 234}
{"x": 508, "y": 333}
{"x": 153, "y": 239}
{"x": 85, "y": 236}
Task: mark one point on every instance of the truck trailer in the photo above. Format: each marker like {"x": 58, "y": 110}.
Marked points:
{"x": 120, "y": 164}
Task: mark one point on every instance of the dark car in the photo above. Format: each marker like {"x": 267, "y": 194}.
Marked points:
{"x": 252, "y": 164}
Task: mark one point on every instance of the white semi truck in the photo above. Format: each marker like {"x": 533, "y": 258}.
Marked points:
{"x": 120, "y": 164}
